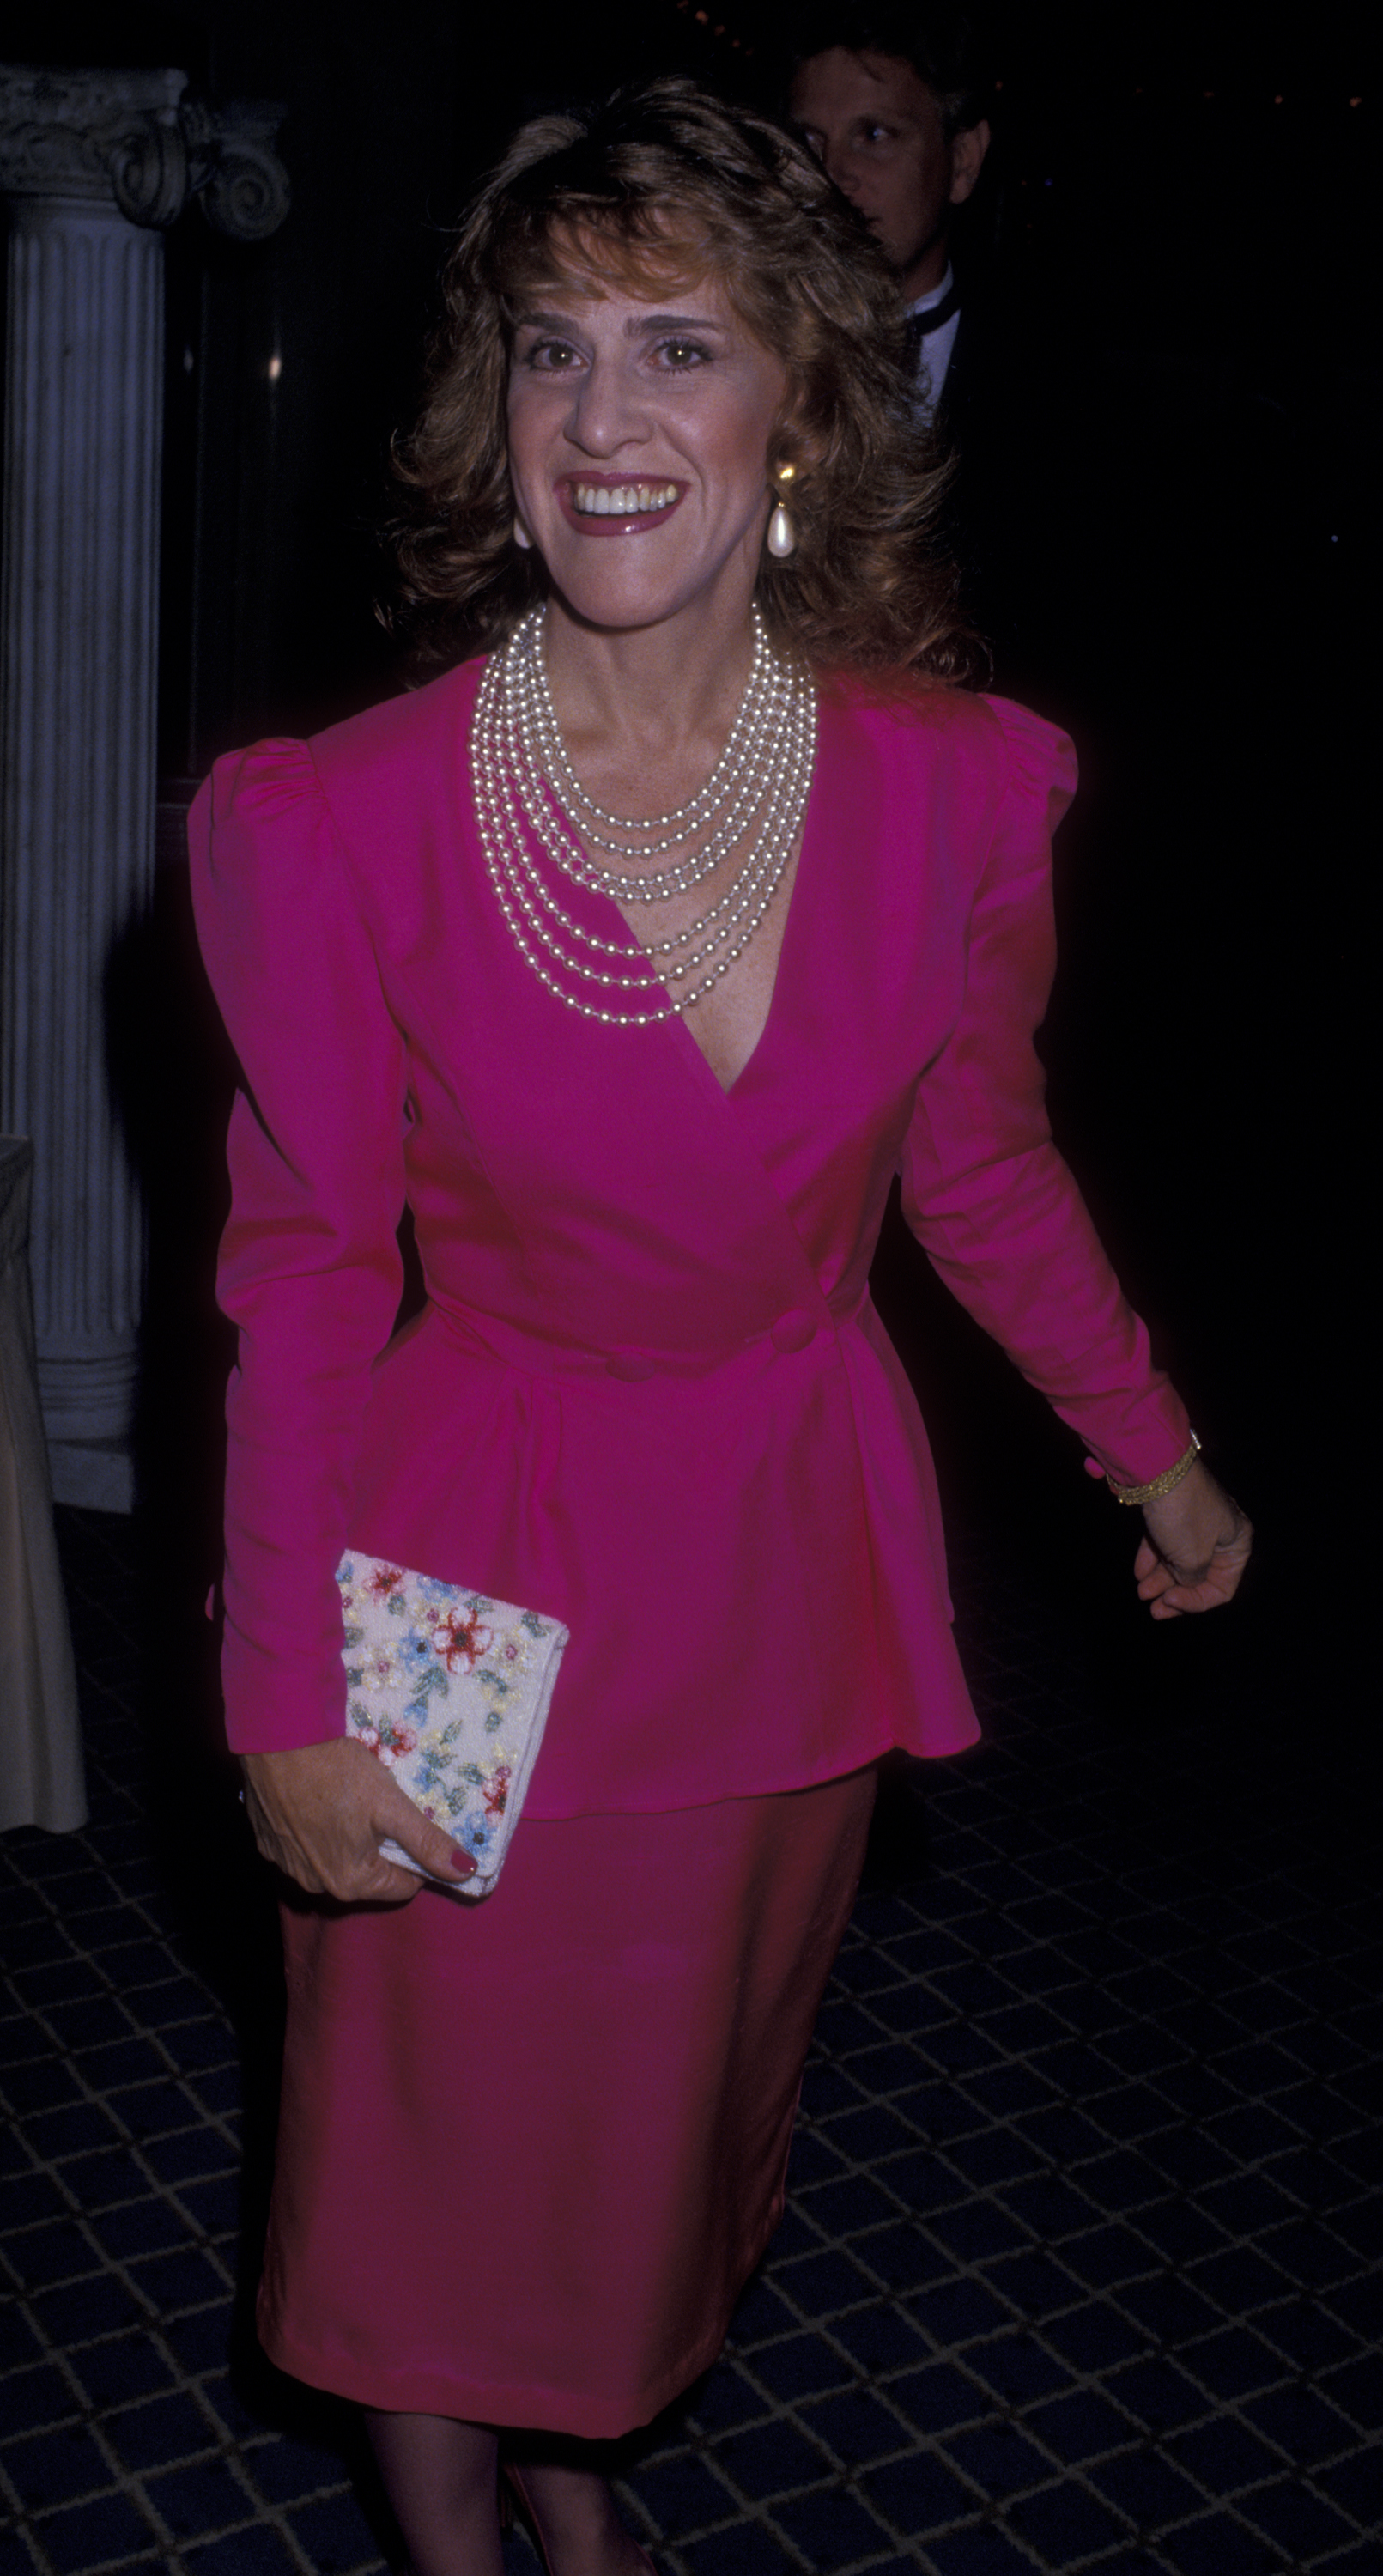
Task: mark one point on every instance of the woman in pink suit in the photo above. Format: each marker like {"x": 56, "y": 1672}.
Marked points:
{"x": 635, "y": 956}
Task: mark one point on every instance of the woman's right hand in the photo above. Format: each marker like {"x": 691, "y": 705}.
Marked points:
{"x": 319, "y": 1812}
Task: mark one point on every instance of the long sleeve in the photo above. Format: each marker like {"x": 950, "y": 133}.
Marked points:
{"x": 309, "y": 1271}
{"x": 984, "y": 1188}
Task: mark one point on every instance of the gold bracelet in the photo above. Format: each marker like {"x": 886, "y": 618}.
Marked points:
{"x": 1166, "y": 1483}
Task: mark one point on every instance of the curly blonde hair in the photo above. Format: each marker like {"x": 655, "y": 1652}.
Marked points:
{"x": 667, "y": 182}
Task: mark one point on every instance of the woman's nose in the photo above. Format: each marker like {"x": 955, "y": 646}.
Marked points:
{"x": 607, "y": 411}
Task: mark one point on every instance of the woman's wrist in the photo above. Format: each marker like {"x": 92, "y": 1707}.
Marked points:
{"x": 1157, "y": 1486}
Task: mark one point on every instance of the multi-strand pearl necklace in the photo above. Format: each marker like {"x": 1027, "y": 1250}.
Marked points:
{"x": 526, "y": 792}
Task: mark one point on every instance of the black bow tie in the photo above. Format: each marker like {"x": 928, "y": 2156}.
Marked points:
{"x": 933, "y": 319}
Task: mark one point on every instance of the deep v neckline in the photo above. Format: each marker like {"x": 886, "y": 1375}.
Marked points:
{"x": 680, "y": 1036}
{"x": 678, "y": 1026}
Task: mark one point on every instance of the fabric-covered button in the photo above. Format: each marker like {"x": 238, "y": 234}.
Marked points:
{"x": 793, "y": 1331}
{"x": 629, "y": 1366}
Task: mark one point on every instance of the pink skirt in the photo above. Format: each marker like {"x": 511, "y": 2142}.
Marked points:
{"x": 530, "y": 2150}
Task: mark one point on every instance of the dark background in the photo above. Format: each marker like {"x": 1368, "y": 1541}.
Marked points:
{"x": 1170, "y": 237}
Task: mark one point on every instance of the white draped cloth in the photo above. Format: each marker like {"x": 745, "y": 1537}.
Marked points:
{"x": 41, "y": 1778}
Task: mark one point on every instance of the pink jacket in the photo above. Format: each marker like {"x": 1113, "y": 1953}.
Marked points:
{"x": 649, "y": 1394}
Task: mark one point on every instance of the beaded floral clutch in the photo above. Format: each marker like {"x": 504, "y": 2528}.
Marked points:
{"x": 451, "y": 1690}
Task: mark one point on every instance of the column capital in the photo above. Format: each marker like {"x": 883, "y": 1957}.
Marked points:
{"x": 133, "y": 139}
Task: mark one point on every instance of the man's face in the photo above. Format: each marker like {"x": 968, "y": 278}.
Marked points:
{"x": 880, "y": 133}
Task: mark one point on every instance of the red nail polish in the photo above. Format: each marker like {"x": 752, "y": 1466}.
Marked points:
{"x": 462, "y": 1862}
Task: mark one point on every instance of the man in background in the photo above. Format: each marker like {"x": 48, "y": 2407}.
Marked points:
{"x": 892, "y": 102}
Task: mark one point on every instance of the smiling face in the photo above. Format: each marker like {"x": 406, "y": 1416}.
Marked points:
{"x": 639, "y": 435}
{"x": 879, "y": 131}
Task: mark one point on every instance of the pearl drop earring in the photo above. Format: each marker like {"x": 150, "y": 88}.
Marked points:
{"x": 782, "y": 536}
{"x": 521, "y": 535}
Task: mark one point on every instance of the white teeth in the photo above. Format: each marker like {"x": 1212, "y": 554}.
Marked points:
{"x": 622, "y": 500}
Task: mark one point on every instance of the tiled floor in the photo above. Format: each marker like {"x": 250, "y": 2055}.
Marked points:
{"x": 1080, "y": 2266}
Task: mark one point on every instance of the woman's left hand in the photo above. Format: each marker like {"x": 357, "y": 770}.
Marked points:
{"x": 1197, "y": 1546}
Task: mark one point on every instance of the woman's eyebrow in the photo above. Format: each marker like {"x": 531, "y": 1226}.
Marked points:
{"x": 670, "y": 322}
{"x": 639, "y": 325}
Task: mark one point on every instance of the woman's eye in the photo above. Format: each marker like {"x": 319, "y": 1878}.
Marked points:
{"x": 682, "y": 354}
{"x": 554, "y": 356}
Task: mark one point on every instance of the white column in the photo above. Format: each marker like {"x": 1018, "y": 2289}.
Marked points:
{"x": 92, "y": 164}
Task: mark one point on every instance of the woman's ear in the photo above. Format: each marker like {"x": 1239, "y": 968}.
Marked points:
{"x": 794, "y": 442}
